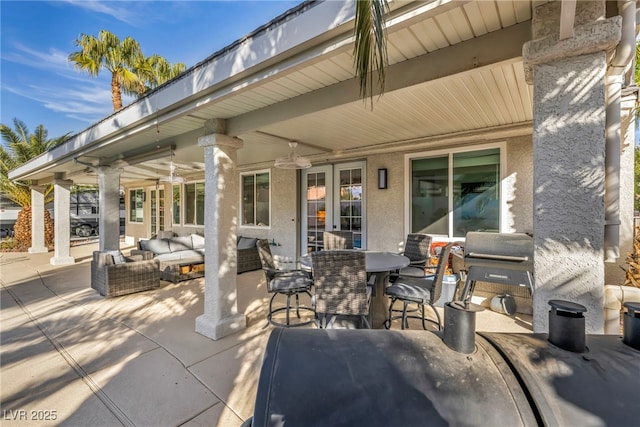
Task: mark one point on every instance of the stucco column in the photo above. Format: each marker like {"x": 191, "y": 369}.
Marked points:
{"x": 62, "y": 230}
{"x": 221, "y": 316}
{"x": 109, "y": 208}
{"x": 568, "y": 148}
{"x": 37, "y": 221}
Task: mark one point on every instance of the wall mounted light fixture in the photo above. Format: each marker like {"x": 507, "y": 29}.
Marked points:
{"x": 382, "y": 179}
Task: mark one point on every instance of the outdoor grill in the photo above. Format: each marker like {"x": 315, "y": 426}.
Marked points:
{"x": 503, "y": 258}
{"x": 319, "y": 377}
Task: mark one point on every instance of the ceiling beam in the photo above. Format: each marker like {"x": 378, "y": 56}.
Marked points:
{"x": 465, "y": 56}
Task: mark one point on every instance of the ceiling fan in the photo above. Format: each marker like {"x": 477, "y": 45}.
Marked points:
{"x": 293, "y": 160}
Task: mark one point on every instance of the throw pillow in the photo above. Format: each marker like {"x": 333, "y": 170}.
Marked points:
{"x": 118, "y": 257}
{"x": 159, "y": 246}
{"x": 198, "y": 241}
{"x": 247, "y": 243}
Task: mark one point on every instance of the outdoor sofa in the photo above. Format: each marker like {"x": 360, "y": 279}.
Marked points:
{"x": 182, "y": 257}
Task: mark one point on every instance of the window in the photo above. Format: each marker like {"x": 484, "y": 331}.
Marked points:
{"x": 454, "y": 193}
{"x": 176, "y": 204}
{"x": 194, "y": 203}
{"x": 136, "y": 205}
{"x": 255, "y": 199}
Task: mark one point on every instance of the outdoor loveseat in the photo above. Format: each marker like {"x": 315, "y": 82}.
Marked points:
{"x": 113, "y": 274}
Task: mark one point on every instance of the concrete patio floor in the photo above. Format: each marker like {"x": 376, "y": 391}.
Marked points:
{"x": 71, "y": 357}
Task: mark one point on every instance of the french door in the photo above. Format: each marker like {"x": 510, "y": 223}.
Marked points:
{"x": 333, "y": 198}
{"x": 157, "y": 210}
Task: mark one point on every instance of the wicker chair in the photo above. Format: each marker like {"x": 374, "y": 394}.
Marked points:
{"x": 422, "y": 291}
{"x": 337, "y": 240}
{"x": 135, "y": 275}
{"x": 284, "y": 282}
{"x": 417, "y": 249}
{"x": 342, "y": 296}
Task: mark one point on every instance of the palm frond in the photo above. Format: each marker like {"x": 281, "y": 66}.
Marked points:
{"x": 370, "y": 47}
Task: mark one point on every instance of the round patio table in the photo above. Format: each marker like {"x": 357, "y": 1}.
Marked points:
{"x": 381, "y": 264}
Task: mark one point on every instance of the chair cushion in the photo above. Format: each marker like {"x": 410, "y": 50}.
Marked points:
{"x": 157, "y": 246}
{"x": 180, "y": 243}
{"x": 118, "y": 257}
{"x": 289, "y": 282}
{"x": 411, "y": 289}
{"x": 247, "y": 243}
{"x": 198, "y": 241}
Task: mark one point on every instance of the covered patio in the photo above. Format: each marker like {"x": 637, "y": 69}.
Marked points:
{"x": 79, "y": 359}
{"x": 528, "y": 103}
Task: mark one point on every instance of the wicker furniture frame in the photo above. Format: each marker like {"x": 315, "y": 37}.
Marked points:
{"x": 340, "y": 282}
{"x": 418, "y": 249}
{"x": 139, "y": 273}
{"x": 183, "y": 269}
{"x": 333, "y": 240}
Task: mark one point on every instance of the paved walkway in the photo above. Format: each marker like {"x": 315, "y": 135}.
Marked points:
{"x": 71, "y": 357}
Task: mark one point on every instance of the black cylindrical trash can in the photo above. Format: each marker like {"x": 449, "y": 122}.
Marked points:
{"x": 631, "y": 325}
{"x": 567, "y": 325}
{"x": 460, "y": 326}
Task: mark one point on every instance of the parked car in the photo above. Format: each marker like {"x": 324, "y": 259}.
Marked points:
{"x": 84, "y": 227}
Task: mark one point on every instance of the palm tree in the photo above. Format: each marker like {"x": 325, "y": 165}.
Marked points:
{"x": 131, "y": 72}
{"x": 156, "y": 70}
{"x": 370, "y": 47}
{"x": 21, "y": 146}
{"x": 108, "y": 52}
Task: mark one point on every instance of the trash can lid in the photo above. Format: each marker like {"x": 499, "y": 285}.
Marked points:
{"x": 573, "y": 307}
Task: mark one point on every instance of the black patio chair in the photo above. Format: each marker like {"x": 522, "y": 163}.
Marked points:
{"x": 284, "y": 282}
{"x": 421, "y": 291}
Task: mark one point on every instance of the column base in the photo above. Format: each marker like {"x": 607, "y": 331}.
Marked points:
{"x": 62, "y": 260}
{"x": 216, "y": 329}
{"x": 38, "y": 250}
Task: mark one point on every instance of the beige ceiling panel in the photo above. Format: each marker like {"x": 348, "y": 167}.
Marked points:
{"x": 507, "y": 13}
{"x": 294, "y": 84}
{"x": 334, "y": 72}
{"x": 435, "y": 34}
{"x": 448, "y": 28}
{"x": 461, "y": 24}
{"x": 476, "y": 100}
{"x": 403, "y": 46}
{"x": 513, "y": 93}
{"x": 505, "y": 100}
{"x": 526, "y": 91}
{"x": 489, "y": 13}
{"x": 281, "y": 89}
{"x": 472, "y": 11}
{"x": 522, "y": 10}
{"x": 488, "y": 92}
{"x": 421, "y": 32}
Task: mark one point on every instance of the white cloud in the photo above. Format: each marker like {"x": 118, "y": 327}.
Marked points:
{"x": 124, "y": 13}
{"x": 44, "y": 60}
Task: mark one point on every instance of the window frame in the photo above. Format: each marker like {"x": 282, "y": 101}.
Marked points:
{"x": 143, "y": 193}
{"x": 183, "y": 204}
{"x": 254, "y": 173}
{"x": 408, "y": 158}
{"x": 173, "y": 206}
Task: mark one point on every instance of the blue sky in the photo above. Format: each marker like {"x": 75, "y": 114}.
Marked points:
{"x": 39, "y": 85}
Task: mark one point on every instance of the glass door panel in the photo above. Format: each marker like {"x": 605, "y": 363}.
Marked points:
{"x": 350, "y": 193}
{"x": 157, "y": 210}
{"x": 314, "y": 208}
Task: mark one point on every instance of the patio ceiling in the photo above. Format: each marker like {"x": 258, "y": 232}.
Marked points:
{"x": 453, "y": 67}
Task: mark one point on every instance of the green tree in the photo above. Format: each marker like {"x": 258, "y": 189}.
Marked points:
{"x": 131, "y": 72}
{"x": 19, "y": 147}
